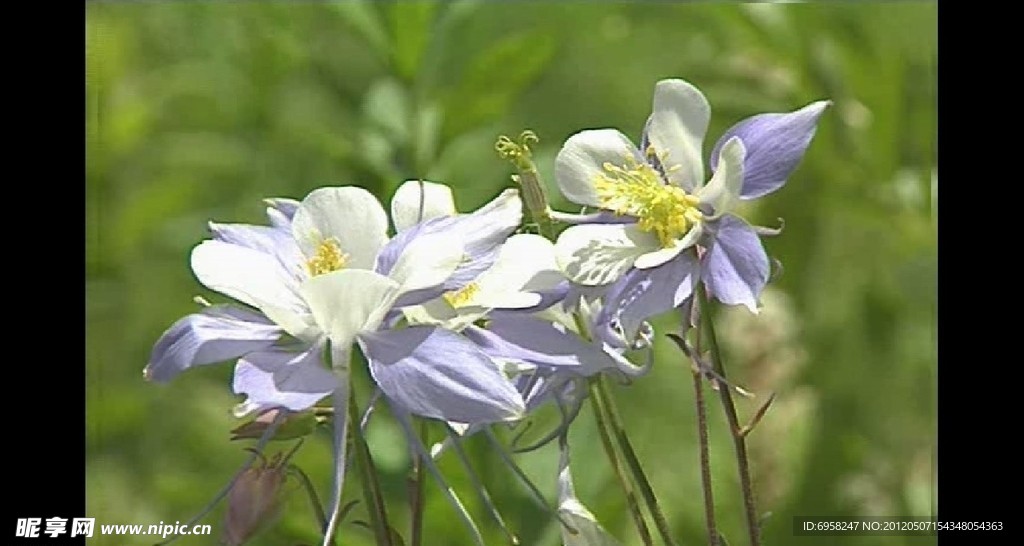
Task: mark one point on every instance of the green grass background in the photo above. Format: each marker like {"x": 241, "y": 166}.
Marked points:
{"x": 196, "y": 111}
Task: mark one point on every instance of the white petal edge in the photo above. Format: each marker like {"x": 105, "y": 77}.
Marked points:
{"x": 249, "y": 276}
{"x": 598, "y": 254}
{"x": 418, "y": 200}
{"x": 428, "y": 260}
{"x": 349, "y": 214}
{"x": 662, "y": 255}
{"x": 582, "y": 159}
{"x": 722, "y": 192}
{"x": 523, "y": 258}
{"x": 679, "y": 121}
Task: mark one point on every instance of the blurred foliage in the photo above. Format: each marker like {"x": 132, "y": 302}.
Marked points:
{"x": 196, "y": 111}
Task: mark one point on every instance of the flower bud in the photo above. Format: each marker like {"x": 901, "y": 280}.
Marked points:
{"x": 254, "y": 499}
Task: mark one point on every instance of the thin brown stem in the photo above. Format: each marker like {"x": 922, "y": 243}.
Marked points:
{"x": 698, "y": 371}
{"x": 705, "y": 459}
{"x": 739, "y": 441}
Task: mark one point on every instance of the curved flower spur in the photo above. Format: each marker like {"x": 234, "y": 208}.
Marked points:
{"x": 660, "y": 229}
{"x": 324, "y": 277}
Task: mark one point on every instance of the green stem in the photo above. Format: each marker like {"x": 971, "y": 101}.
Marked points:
{"x": 518, "y": 471}
{"x": 608, "y": 402}
{"x": 368, "y": 473}
{"x": 613, "y": 458}
{"x": 739, "y": 441}
{"x": 314, "y": 500}
{"x": 531, "y": 186}
{"x": 416, "y": 493}
{"x": 536, "y": 201}
{"x": 478, "y": 484}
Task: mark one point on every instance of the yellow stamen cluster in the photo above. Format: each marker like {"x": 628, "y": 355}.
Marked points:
{"x": 636, "y": 189}
{"x": 328, "y": 258}
{"x": 461, "y": 297}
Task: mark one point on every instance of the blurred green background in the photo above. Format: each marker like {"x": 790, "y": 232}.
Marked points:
{"x": 196, "y": 111}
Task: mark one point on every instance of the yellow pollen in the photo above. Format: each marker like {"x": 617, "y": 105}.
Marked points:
{"x": 328, "y": 258}
{"x": 637, "y": 189}
{"x": 461, "y": 297}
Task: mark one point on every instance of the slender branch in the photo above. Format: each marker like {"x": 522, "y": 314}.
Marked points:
{"x": 698, "y": 373}
{"x": 646, "y": 490}
{"x": 613, "y": 458}
{"x": 739, "y": 441}
{"x": 705, "y": 459}
{"x": 368, "y": 472}
{"x": 757, "y": 416}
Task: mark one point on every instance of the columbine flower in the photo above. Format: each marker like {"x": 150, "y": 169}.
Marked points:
{"x": 326, "y": 275}
{"x": 665, "y": 212}
{"x": 311, "y": 276}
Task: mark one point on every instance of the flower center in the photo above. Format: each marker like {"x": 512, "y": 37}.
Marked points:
{"x": 637, "y": 189}
{"x": 328, "y": 258}
{"x": 461, "y": 297}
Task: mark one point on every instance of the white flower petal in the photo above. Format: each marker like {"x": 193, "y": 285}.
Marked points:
{"x": 349, "y": 214}
{"x": 662, "y": 255}
{"x": 301, "y": 326}
{"x": 658, "y": 257}
{"x": 599, "y": 254}
{"x": 436, "y": 312}
{"x": 417, "y": 200}
{"x": 522, "y": 259}
{"x": 678, "y": 123}
{"x": 249, "y": 276}
{"x": 582, "y": 159}
{"x": 722, "y": 192}
{"x": 349, "y": 301}
{"x": 428, "y": 260}
{"x": 507, "y": 300}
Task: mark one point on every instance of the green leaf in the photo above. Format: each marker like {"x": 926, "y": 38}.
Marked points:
{"x": 496, "y": 77}
{"x": 387, "y": 108}
{"x": 362, "y": 17}
{"x": 427, "y": 136}
{"x": 410, "y": 33}
{"x": 588, "y": 531}
{"x": 294, "y": 426}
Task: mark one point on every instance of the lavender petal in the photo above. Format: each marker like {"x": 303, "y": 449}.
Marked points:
{"x": 439, "y": 374}
{"x": 215, "y": 334}
{"x": 280, "y": 378}
{"x": 775, "y": 143}
{"x": 735, "y": 269}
